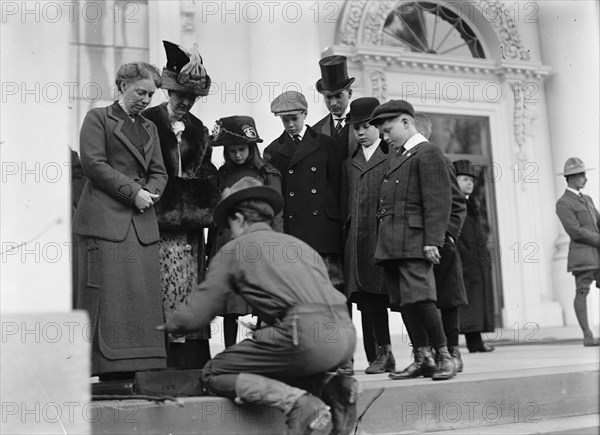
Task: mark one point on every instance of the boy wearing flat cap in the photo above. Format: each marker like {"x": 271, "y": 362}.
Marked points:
{"x": 334, "y": 85}
{"x": 284, "y": 365}
{"x": 581, "y": 220}
{"x": 414, "y": 210}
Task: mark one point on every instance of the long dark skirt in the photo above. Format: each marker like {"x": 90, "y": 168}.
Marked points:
{"x": 119, "y": 286}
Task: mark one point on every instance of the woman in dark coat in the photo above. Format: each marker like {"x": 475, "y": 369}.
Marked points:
{"x": 478, "y": 316}
{"x": 118, "y": 276}
{"x": 191, "y": 193}
{"x": 238, "y": 135}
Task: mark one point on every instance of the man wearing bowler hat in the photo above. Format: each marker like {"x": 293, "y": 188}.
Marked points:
{"x": 334, "y": 85}
{"x": 414, "y": 210}
{"x": 581, "y": 220}
{"x": 286, "y": 361}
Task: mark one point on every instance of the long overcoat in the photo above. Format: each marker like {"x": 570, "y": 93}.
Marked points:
{"x": 581, "y": 220}
{"x": 478, "y": 316}
{"x": 415, "y": 202}
{"x": 361, "y": 183}
{"x": 311, "y": 178}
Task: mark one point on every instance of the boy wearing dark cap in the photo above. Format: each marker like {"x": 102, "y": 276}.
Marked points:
{"x": 334, "y": 85}
{"x": 284, "y": 365}
{"x": 414, "y": 209}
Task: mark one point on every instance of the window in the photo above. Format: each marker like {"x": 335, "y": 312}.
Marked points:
{"x": 427, "y": 27}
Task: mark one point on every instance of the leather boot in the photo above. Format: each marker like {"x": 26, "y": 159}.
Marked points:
{"x": 423, "y": 365}
{"x": 458, "y": 363}
{"x": 304, "y": 413}
{"x": 444, "y": 365}
{"x": 341, "y": 393}
{"x": 384, "y": 362}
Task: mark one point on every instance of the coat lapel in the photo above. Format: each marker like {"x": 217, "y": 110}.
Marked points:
{"x": 119, "y": 133}
{"x": 398, "y": 160}
{"x": 307, "y": 146}
{"x": 150, "y": 142}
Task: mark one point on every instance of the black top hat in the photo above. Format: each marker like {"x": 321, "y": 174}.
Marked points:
{"x": 185, "y": 71}
{"x": 465, "y": 167}
{"x": 234, "y": 130}
{"x": 334, "y": 75}
{"x": 361, "y": 109}
{"x": 246, "y": 188}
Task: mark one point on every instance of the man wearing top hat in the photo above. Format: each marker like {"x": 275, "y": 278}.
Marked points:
{"x": 285, "y": 363}
{"x": 186, "y": 205}
{"x": 581, "y": 220}
{"x": 414, "y": 210}
{"x": 335, "y": 84}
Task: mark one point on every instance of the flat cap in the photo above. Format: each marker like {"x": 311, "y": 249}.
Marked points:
{"x": 391, "y": 109}
{"x": 289, "y": 103}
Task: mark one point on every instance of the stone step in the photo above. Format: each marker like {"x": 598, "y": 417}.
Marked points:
{"x": 473, "y": 401}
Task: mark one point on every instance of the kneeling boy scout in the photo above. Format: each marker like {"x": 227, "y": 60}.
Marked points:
{"x": 308, "y": 330}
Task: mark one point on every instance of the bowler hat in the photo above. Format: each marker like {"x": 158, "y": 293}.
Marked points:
{"x": 574, "y": 165}
{"x": 184, "y": 71}
{"x": 464, "y": 167}
{"x": 289, "y": 103}
{"x": 234, "y": 130}
{"x": 391, "y": 109}
{"x": 246, "y": 188}
{"x": 334, "y": 75}
{"x": 361, "y": 109}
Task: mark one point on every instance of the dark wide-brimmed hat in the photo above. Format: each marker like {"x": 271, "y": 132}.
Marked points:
{"x": 574, "y": 165}
{"x": 391, "y": 109}
{"x": 246, "y": 188}
{"x": 361, "y": 109}
{"x": 185, "y": 71}
{"x": 234, "y": 130}
{"x": 465, "y": 167}
{"x": 334, "y": 75}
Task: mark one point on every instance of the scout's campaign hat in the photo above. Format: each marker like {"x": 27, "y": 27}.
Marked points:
{"x": 234, "y": 130}
{"x": 334, "y": 75}
{"x": 361, "y": 109}
{"x": 184, "y": 71}
{"x": 289, "y": 103}
{"x": 246, "y": 188}
{"x": 465, "y": 167}
{"x": 574, "y": 165}
{"x": 391, "y": 109}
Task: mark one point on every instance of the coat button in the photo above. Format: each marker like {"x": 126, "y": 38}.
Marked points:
{"x": 313, "y": 190}
{"x": 291, "y": 216}
{"x": 382, "y": 210}
{"x": 397, "y": 181}
{"x": 291, "y": 171}
{"x": 292, "y": 193}
{"x": 381, "y": 200}
{"x": 313, "y": 169}
{"x": 315, "y": 212}
{"x": 188, "y": 247}
{"x": 385, "y": 180}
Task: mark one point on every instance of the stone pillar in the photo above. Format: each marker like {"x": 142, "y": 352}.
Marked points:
{"x": 570, "y": 44}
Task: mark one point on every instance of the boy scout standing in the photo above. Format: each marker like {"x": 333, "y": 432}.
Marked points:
{"x": 307, "y": 327}
{"x": 581, "y": 220}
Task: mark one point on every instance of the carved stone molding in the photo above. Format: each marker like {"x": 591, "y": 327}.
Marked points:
{"x": 361, "y": 23}
{"x": 187, "y": 10}
{"x": 378, "y": 84}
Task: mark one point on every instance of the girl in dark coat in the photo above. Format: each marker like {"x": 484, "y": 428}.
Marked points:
{"x": 478, "y": 316}
{"x": 242, "y": 159}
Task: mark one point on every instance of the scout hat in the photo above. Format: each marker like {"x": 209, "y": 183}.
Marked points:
{"x": 334, "y": 75}
{"x": 391, "y": 109}
{"x": 574, "y": 165}
{"x": 184, "y": 71}
{"x": 246, "y": 188}
{"x": 465, "y": 167}
{"x": 234, "y": 130}
{"x": 361, "y": 109}
{"x": 289, "y": 103}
